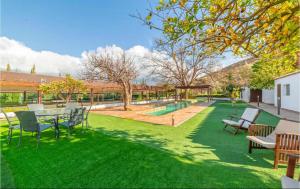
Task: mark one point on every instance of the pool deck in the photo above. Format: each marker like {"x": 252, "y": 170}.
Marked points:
{"x": 138, "y": 112}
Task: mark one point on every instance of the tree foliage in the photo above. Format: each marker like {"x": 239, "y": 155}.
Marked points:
{"x": 64, "y": 88}
{"x": 268, "y": 68}
{"x": 267, "y": 30}
{"x": 245, "y": 26}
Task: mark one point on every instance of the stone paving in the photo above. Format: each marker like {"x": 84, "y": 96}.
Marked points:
{"x": 139, "y": 113}
{"x": 284, "y": 114}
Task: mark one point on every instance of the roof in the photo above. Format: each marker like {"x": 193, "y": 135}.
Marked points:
{"x": 19, "y": 82}
{"x": 287, "y": 75}
{"x": 26, "y": 77}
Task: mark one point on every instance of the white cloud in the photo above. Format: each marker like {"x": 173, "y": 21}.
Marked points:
{"x": 22, "y": 58}
{"x": 139, "y": 54}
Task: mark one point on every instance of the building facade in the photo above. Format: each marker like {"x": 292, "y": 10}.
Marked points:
{"x": 287, "y": 91}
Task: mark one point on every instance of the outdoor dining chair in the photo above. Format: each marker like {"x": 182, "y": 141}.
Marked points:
{"x": 29, "y": 123}
{"x": 242, "y": 123}
{"x": 11, "y": 126}
{"x": 284, "y": 139}
{"x": 72, "y": 106}
{"x": 76, "y": 117}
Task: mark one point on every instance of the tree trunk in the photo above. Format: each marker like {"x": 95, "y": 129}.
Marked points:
{"x": 186, "y": 94}
{"x": 127, "y": 95}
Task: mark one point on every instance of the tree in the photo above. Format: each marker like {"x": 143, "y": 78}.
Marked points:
{"x": 67, "y": 86}
{"x": 8, "y": 69}
{"x": 268, "y": 68}
{"x": 180, "y": 66}
{"x": 32, "y": 71}
{"x": 113, "y": 67}
{"x": 253, "y": 27}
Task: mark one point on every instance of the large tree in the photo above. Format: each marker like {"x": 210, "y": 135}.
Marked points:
{"x": 178, "y": 65}
{"x": 251, "y": 26}
{"x": 114, "y": 67}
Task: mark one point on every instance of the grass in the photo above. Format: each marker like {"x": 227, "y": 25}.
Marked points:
{"x": 131, "y": 154}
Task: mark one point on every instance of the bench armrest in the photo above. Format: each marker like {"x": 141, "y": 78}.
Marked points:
{"x": 260, "y": 130}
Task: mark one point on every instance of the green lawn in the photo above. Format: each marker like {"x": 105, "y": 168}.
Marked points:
{"x": 126, "y": 153}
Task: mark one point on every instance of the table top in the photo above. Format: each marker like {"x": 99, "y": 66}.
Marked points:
{"x": 51, "y": 112}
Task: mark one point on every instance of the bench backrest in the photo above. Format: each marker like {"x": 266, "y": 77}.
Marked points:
{"x": 285, "y": 127}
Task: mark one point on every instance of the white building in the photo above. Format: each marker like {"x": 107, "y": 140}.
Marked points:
{"x": 265, "y": 95}
{"x": 287, "y": 91}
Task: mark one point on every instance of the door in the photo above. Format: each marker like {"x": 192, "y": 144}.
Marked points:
{"x": 254, "y": 93}
{"x": 279, "y": 95}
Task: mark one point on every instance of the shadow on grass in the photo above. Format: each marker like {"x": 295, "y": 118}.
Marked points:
{"x": 93, "y": 160}
{"x": 227, "y": 147}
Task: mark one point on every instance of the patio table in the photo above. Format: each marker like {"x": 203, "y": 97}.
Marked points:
{"x": 56, "y": 113}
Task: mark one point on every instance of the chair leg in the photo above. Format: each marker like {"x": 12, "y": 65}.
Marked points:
{"x": 20, "y": 139}
{"x": 276, "y": 159}
{"x": 9, "y": 135}
{"x": 69, "y": 131}
{"x": 225, "y": 126}
{"x": 38, "y": 137}
{"x": 237, "y": 130}
{"x": 86, "y": 123}
{"x": 250, "y": 147}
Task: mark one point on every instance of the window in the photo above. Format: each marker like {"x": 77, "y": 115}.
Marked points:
{"x": 287, "y": 89}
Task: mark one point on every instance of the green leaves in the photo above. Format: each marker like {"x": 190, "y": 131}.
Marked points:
{"x": 148, "y": 18}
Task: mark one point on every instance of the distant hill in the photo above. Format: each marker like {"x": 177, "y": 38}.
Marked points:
{"x": 239, "y": 72}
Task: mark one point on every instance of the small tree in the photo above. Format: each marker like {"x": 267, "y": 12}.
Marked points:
{"x": 8, "y": 69}
{"x": 67, "y": 86}
{"x": 32, "y": 71}
{"x": 113, "y": 67}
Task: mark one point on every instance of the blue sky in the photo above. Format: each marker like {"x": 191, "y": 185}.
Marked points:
{"x": 69, "y": 27}
{"x": 72, "y": 26}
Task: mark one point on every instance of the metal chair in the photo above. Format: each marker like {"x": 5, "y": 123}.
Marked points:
{"x": 11, "y": 126}
{"x": 29, "y": 123}
{"x": 76, "y": 117}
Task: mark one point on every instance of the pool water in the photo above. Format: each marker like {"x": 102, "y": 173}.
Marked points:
{"x": 171, "y": 108}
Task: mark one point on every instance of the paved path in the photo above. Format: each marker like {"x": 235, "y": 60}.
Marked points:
{"x": 139, "y": 112}
{"x": 285, "y": 114}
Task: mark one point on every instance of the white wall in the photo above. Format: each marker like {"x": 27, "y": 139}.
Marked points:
{"x": 291, "y": 102}
{"x": 245, "y": 94}
{"x": 268, "y": 96}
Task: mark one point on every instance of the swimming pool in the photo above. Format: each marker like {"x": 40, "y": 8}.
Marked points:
{"x": 170, "y": 108}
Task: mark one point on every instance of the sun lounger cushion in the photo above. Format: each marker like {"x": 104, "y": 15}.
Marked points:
{"x": 283, "y": 127}
{"x": 266, "y": 142}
